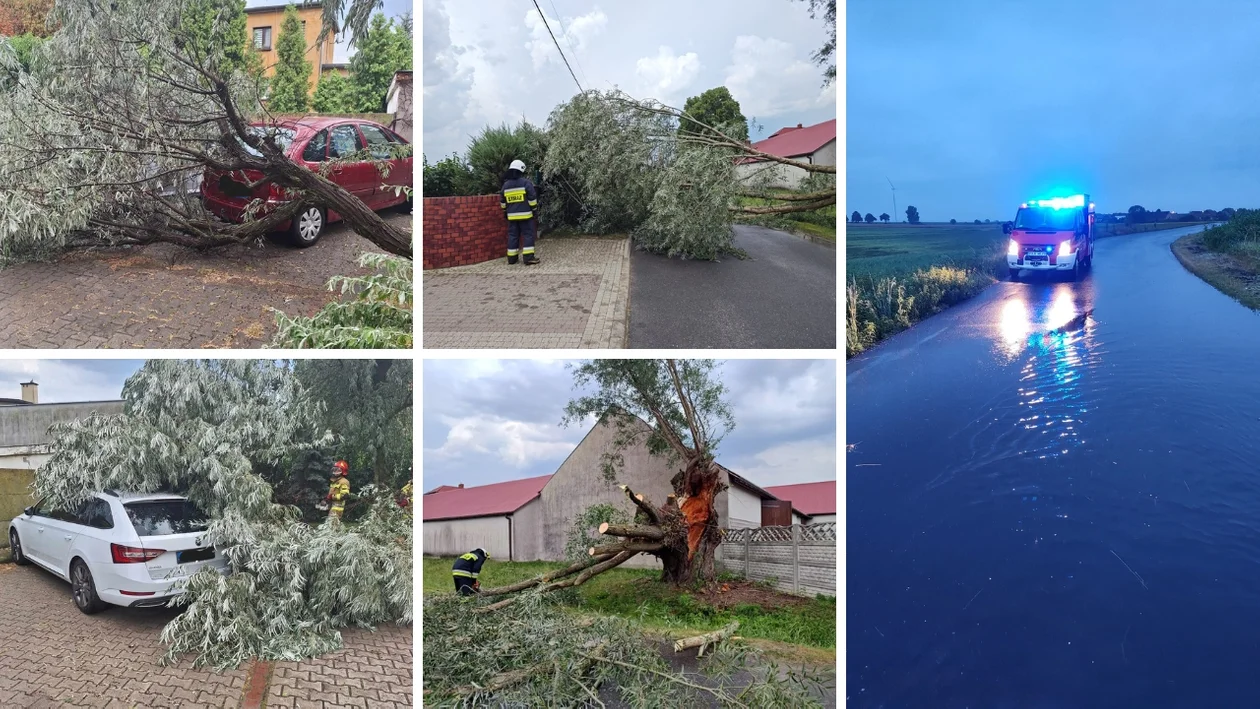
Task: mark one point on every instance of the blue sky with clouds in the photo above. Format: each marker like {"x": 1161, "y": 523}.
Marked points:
{"x": 493, "y": 61}
{"x": 488, "y": 421}
{"x": 972, "y": 106}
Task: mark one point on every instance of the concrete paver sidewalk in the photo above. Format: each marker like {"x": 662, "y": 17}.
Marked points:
{"x": 51, "y": 655}
{"x": 577, "y": 297}
{"x": 163, "y": 296}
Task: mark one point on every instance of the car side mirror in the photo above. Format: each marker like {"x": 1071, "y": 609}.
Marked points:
{"x": 29, "y": 511}
{"x": 1006, "y": 228}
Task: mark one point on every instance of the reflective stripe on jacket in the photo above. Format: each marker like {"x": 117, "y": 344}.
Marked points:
{"x": 518, "y": 198}
{"x": 468, "y": 565}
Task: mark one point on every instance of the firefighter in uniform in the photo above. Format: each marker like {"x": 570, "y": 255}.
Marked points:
{"x": 404, "y": 496}
{"x": 338, "y": 489}
{"x": 466, "y": 569}
{"x": 519, "y": 199}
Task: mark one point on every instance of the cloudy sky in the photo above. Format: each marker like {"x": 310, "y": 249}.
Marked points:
{"x": 486, "y": 63}
{"x": 972, "y": 106}
{"x": 64, "y": 380}
{"x": 488, "y": 421}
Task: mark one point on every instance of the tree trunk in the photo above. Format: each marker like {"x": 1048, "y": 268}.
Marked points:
{"x": 696, "y": 488}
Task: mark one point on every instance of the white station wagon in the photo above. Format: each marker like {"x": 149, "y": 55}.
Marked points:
{"x": 124, "y": 550}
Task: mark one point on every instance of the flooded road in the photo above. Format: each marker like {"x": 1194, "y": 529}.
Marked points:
{"x": 1054, "y": 496}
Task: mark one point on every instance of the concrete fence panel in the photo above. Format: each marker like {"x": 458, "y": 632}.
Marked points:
{"x": 798, "y": 559}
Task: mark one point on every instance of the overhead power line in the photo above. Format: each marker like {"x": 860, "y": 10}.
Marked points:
{"x": 558, "y": 49}
{"x": 564, "y": 32}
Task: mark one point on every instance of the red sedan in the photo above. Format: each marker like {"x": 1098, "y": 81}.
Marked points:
{"x": 309, "y": 142}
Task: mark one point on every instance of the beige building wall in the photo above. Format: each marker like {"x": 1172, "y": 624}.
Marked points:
{"x": 15, "y": 495}
{"x": 527, "y": 525}
{"x": 452, "y": 537}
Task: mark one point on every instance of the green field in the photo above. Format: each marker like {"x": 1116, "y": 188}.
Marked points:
{"x": 882, "y": 250}
{"x": 636, "y": 593}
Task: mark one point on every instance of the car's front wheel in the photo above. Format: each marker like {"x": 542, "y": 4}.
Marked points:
{"x": 15, "y": 546}
{"x": 307, "y": 226}
{"x": 84, "y": 588}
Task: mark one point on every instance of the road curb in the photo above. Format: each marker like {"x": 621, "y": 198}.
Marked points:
{"x": 254, "y": 695}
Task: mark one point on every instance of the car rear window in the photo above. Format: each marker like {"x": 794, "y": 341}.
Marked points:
{"x": 282, "y": 137}
{"x": 155, "y": 518}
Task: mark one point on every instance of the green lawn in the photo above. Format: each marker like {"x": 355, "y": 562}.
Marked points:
{"x": 881, "y": 250}
{"x": 636, "y": 593}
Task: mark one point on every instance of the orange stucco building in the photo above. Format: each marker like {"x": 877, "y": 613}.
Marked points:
{"x": 263, "y": 25}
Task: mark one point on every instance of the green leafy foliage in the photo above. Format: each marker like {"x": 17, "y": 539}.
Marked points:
{"x": 494, "y": 149}
{"x": 377, "y": 314}
{"x": 584, "y": 533}
{"x": 291, "y": 82}
{"x": 689, "y": 214}
{"x": 384, "y": 48}
{"x": 216, "y": 31}
{"x": 368, "y": 403}
{"x": 205, "y": 429}
{"x": 715, "y": 107}
{"x": 629, "y": 392}
{"x": 448, "y": 177}
{"x": 533, "y": 653}
{"x": 24, "y": 46}
{"x": 334, "y": 94}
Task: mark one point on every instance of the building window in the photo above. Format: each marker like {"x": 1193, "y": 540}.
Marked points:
{"x": 262, "y": 39}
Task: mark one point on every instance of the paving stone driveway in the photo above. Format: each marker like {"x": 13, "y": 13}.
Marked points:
{"x": 161, "y": 296}
{"x": 577, "y": 297}
{"x": 51, "y": 655}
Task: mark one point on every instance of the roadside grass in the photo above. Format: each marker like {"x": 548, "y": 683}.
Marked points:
{"x": 817, "y": 223}
{"x": 1227, "y": 257}
{"x": 636, "y": 593}
{"x": 1102, "y": 230}
{"x": 898, "y": 275}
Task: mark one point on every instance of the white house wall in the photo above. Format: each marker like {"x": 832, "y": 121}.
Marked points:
{"x": 452, "y": 537}
{"x": 743, "y": 509}
{"x": 820, "y": 519}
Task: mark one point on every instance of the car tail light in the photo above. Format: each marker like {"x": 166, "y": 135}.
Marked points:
{"x": 133, "y": 555}
{"x": 136, "y": 593}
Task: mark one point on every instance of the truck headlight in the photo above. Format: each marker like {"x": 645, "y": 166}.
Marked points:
{"x": 1012, "y": 249}
{"x": 1065, "y": 248}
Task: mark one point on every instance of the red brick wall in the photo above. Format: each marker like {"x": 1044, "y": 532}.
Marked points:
{"x": 462, "y": 230}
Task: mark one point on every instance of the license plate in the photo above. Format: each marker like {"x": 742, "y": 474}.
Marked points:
{"x": 184, "y": 557}
{"x": 1035, "y": 259}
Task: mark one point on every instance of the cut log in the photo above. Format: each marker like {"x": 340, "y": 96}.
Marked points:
{"x": 653, "y": 517}
{"x": 636, "y": 547}
{"x": 632, "y": 530}
{"x": 706, "y": 639}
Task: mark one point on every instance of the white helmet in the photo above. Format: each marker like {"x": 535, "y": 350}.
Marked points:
{"x": 517, "y": 165}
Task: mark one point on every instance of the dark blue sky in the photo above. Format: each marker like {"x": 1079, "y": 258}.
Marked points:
{"x": 972, "y": 106}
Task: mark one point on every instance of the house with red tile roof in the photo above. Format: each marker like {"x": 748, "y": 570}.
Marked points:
{"x": 814, "y": 144}
{"x": 530, "y": 519}
{"x": 817, "y": 500}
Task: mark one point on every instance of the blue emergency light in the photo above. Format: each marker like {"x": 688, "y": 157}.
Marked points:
{"x": 1076, "y": 200}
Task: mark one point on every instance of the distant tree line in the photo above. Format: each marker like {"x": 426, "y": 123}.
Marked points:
{"x": 912, "y": 216}
{"x": 1138, "y": 214}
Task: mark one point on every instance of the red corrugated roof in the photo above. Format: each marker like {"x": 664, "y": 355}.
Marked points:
{"x": 484, "y": 500}
{"x": 793, "y": 142}
{"x": 810, "y": 498}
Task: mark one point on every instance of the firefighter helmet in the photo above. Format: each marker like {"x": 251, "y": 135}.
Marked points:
{"x": 517, "y": 165}
{"x": 341, "y": 467}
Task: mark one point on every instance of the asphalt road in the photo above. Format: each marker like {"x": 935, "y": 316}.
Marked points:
{"x": 783, "y": 297}
{"x": 1046, "y": 510}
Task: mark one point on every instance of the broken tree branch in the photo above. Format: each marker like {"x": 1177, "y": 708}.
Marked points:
{"x": 544, "y": 578}
{"x": 636, "y": 547}
{"x": 642, "y": 504}
{"x": 706, "y": 639}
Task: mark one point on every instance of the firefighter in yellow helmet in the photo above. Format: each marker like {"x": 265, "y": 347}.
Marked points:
{"x": 338, "y": 489}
